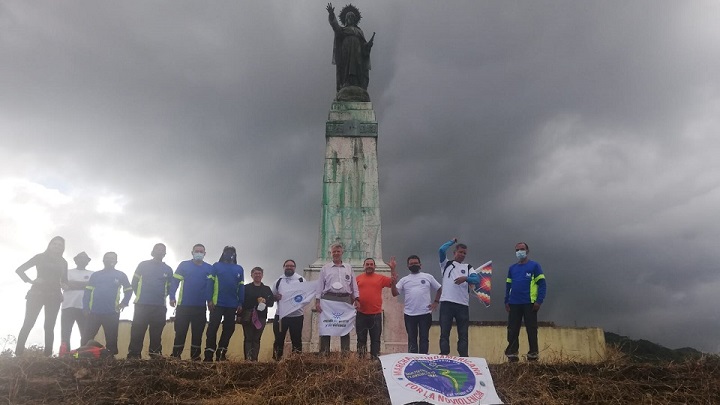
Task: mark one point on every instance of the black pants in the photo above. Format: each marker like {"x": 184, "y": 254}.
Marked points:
{"x": 325, "y": 344}
{"x": 418, "y": 326}
{"x": 110, "y": 324}
{"x": 251, "y": 344}
{"x": 280, "y": 328}
{"x": 68, "y": 318}
{"x": 33, "y": 305}
{"x": 226, "y": 315}
{"x": 461, "y": 314}
{"x": 515, "y": 318}
{"x": 368, "y": 324}
{"x": 147, "y": 317}
{"x": 193, "y": 317}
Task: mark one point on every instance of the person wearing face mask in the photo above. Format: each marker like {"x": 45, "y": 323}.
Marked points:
{"x": 417, "y": 288}
{"x": 150, "y": 283}
{"x": 226, "y": 286}
{"x": 524, "y": 293}
{"x": 52, "y": 272}
{"x": 293, "y": 321}
{"x": 258, "y": 297}
{"x": 101, "y": 302}
{"x": 191, "y": 311}
{"x": 368, "y": 320}
{"x": 454, "y": 299}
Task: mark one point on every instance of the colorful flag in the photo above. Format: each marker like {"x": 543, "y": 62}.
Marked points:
{"x": 295, "y": 296}
{"x": 336, "y": 319}
{"x": 437, "y": 379}
{"x": 482, "y": 290}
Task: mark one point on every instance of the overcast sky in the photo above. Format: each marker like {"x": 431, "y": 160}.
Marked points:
{"x": 587, "y": 129}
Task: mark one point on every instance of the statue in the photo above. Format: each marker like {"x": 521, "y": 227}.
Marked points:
{"x": 351, "y": 53}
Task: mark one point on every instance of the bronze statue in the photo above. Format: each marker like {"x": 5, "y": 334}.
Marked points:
{"x": 351, "y": 53}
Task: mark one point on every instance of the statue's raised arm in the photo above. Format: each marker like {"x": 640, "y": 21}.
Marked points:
{"x": 351, "y": 52}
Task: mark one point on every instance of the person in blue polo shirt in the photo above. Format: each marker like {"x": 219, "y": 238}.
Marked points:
{"x": 101, "y": 302}
{"x": 524, "y": 293}
{"x": 191, "y": 301}
{"x": 228, "y": 292}
{"x": 150, "y": 283}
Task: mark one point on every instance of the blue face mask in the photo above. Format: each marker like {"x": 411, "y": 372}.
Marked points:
{"x": 521, "y": 254}
{"x": 197, "y": 256}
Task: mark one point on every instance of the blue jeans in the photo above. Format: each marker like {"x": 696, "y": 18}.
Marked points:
{"x": 461, "y": 314}
{"x": 418, "y": 325}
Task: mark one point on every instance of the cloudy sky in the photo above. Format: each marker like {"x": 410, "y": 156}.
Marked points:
{"x": 587, "y": 129}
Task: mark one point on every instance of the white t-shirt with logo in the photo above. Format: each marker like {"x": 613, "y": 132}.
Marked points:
{"x": 457, "y": 293}
{"x": 418, "y": 289}
{"x": 74, "y": 298}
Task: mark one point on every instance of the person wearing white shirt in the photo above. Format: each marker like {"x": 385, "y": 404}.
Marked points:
{"x": 336, "y": 283}
{"x": 72, "y": 305}
{"x": 293, "y": 321}
{"x": 454, "y": 300}
{"x": 417, "y": 288}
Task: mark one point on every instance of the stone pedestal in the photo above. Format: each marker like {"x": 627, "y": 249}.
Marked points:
{"x": 351, "y": 214}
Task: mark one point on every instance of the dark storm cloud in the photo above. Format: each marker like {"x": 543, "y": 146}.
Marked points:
{"x": 581, "y": 128}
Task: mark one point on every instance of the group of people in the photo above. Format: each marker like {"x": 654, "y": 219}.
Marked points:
{"x": 92, "y": 300}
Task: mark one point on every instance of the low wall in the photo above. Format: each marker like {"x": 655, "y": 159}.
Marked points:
{"x": 585, "y": 345}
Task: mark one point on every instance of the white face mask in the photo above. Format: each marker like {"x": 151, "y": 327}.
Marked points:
{"x": 521, "y": 254}
{"x": 198, "y": 256}
{"x": 261, "y": 306}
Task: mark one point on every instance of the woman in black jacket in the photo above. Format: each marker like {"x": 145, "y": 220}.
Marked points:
{"x": 258, "y": 297}
{"x": 52, "y": 271}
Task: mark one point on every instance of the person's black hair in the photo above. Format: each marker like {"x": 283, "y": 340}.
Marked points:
{"x": 413, "y": 257}
{"x": 229, "y": 255}
{"x": 369, "y": 258}
{"x": 198, "y": 244}
{"x": 289, "y": 260}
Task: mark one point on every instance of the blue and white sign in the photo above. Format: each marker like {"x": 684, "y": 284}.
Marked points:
{"x": 438, "y": 379}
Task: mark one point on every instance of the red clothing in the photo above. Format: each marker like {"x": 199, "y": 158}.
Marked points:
{"x": 370, "y": 287}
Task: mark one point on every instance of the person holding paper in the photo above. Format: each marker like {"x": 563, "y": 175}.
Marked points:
{"x": 293, "y": 321}
{"x": 336, "y": 283}
{"x": 258, "y": 297}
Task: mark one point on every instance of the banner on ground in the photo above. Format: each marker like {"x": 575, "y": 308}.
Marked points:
{"x": 295, "y": 296}
{"x": 483, "y": 289}
{"x": 437, "y": 379}
{"x": 336, "y": 319}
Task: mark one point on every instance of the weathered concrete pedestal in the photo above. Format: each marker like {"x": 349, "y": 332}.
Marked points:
{"x": 351, "y": 214}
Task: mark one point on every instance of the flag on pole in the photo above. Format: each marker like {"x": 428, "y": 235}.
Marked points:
{"x": 482, "y": 290}
{"x": 295, "y": 296}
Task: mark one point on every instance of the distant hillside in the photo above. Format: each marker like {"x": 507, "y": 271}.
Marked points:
{"x": 646, "y": 351}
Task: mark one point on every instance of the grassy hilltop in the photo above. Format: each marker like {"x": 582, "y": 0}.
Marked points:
{"x": 636, "y": 372}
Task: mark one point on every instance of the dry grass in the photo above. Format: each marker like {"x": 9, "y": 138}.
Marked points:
{"x": 307, "y": 379}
